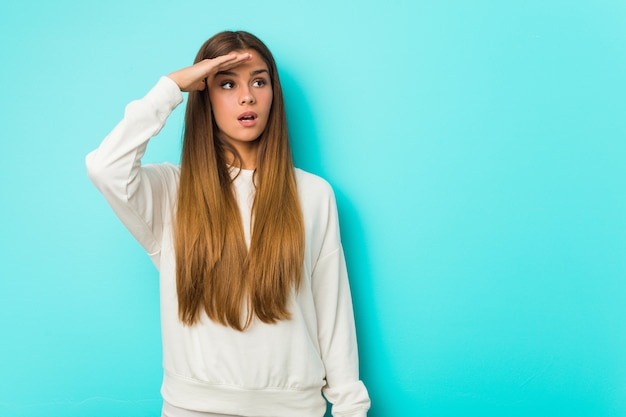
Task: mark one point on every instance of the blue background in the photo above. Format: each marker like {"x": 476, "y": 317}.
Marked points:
{"x": 477, "y": 152}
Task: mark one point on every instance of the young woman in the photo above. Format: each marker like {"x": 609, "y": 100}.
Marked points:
{"x": 256, "y": 310}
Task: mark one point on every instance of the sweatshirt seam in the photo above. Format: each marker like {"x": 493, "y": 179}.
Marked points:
{"x": 241, "y": 387}
{"x": 323, "y": 257}
{"x": 326, "y": 255}
{"x": 138, "y": 215}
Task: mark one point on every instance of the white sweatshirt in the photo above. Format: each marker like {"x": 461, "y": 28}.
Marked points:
{"x": 277, "y": 370}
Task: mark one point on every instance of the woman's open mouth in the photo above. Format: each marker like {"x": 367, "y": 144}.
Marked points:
{"x": 248, "y": 118}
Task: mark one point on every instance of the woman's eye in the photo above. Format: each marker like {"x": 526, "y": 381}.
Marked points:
{"x": 259, "y": 83}
{"x": 227, "y": 85}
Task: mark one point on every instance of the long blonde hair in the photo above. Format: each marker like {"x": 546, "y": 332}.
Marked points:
{"x": 214, "y": 268}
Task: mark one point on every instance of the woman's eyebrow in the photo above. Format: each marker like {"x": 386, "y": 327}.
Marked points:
{"x": 259, "y": 71}
{"x": 232, "y": 73}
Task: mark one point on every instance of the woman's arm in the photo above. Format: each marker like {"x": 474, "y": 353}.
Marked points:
{"x": 336, "y": 328}
{"x": 136, "y": 193}
{"x": 141, "y": 195}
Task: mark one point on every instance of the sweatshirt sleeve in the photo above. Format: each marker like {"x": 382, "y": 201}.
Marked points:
{"x": 139, "y": 195}
{"x": 336, "y": 328}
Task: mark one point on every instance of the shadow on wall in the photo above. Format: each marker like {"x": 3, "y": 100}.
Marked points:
{"x": 374, "y": 355}
{"x": 302, "y": 128}
{"x": 374, "y": 352}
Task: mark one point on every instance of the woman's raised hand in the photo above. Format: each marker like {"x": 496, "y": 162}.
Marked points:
{"x": 195, "y": 77}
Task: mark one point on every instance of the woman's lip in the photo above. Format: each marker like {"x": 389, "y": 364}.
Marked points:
{"x": 247, "y": 114}
{"x": 247, "y": 119}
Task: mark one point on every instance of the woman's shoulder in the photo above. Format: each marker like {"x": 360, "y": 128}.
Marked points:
{"x": 316, "y": 194}
{"x": 312, "y": 184}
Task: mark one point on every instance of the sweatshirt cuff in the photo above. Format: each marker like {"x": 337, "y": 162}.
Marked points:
{"x": 165, "y": 96}
{"x": 351, "y": 400}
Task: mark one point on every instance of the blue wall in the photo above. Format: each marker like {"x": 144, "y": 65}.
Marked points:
{"x": 477, "y": 151}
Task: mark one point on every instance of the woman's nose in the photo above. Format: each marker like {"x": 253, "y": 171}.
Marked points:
{"x": 246, "y": 96}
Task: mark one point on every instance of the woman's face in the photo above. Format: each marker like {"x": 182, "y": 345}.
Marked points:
{"x": 241, "y": 99}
